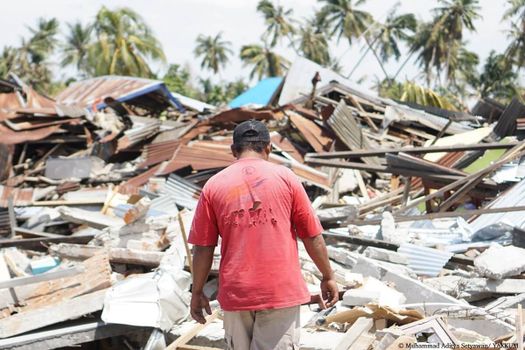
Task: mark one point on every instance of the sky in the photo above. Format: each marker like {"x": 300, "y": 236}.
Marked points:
{"x": 177, "y": 23}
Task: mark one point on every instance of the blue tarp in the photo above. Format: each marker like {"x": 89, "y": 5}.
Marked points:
{"x": 260, "y": 94}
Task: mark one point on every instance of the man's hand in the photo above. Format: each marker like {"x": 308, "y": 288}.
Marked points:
{"x": 198, "y": 302}
{"x": 329, "y": 292}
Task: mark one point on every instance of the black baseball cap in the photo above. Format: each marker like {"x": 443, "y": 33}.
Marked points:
{"x": 251, "y": 131}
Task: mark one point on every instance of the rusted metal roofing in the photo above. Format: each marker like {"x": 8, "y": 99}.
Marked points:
{"x": 10, "y": 137}
{"x": 238, "y": 115}
{"x": 313, "y": 133}
{"x": 21, "y": 196}
{"x": 282, "y": 144}
{"x": 15, "y": 95}
{"x": 158, "y": 152}
{"x": 91, "y": 93}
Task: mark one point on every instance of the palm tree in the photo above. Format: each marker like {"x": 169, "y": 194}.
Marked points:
{"x": 277, "y": 20}
{"x": 265, "y": 62}
{"x": 387, "y": 36}
{"x": 313, "y": 44}
{"x": 213, "y": 50}
{"x": 30, "y": 60}
{"x": 344, "y": 19}
{"x": 439, "y": 42}
{"x": 515, "y": 52}
{"x": 496, "y": 80}
{"x": 76, "y": 47}
{"x": 124, "y": 44}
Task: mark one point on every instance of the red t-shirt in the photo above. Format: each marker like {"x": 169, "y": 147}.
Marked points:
{"x": 259, "y": 209}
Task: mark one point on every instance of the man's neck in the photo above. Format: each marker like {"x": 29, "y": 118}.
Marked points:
{"x": 252, "y": 154}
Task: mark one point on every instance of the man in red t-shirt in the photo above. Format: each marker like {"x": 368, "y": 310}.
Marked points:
{"x": 258, "y": 209}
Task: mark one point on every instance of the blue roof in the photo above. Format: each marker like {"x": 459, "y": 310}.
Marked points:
{"x": 260, "y": 94}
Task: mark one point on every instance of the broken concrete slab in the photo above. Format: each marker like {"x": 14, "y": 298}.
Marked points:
{"x": 373, "y": 291}
{"x": 385, "y": 255}
{"x": 499, "y": 262}
{"x": 91, "y": 218}
{"x": 470, "y": 288}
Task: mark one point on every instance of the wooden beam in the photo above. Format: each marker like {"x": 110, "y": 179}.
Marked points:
{"x": 12, "y": 217}
{"x": 20, "y": 281}
{"x": 412, "y": 150}
{"x": 40, "y": 243}
{"x": 362, "y": 325}
{"x": 71, "y": 334}
{"x": 51, "y": 314}
{"x": 186, "y": 337}
{"x": 116, "y": 255}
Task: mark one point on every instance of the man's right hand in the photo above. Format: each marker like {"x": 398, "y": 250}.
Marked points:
{"x": 198, "y": 302}
{"x": 329, "y": 292}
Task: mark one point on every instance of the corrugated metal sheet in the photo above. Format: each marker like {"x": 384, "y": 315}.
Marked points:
{"x": 193, "y": 104}
{"x": 344, "y": 124}
{"x": 10, "y": 137}
{"x": 158, "y": 152}
{"x": 91, "y": 93}
{"x": 21, "y": 196}
{"x": 260, "y": 95}
{"x": 514, "y": 197}
{"x": 5, "y": 225}
{"x": 314, "y": 134}
{"x": 185, "y": 193}
{"x": 424, "y": 261}
{"x": 141, "y": 130}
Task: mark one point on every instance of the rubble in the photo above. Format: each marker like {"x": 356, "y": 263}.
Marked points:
{"x": 421, "y": 206}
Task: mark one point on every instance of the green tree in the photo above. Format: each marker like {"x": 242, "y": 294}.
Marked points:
{"x": 124, "y": 44}
{"x": 277, "y": 20}
{"x": 76, "y": 47}
{"x": 214, "y": 51}
{"x": 440, "y": 41}
{"x": 496, "y": 80}
{"x": 313, "y": 43}
{"x": 344, "y": 19}
{"x": 265, "y": 62}
{"x": 30, "y": 61}
{"x": 387, "y": 37}
{"x": 178, "y": 79}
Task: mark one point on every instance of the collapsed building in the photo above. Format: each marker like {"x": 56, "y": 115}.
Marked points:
{"x": 420, "y": 205}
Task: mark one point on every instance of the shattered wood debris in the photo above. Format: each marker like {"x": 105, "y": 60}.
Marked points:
{"x": 422, "y": 209}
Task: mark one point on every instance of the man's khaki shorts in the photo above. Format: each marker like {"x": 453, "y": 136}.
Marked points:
{"x": 263, "y": 330}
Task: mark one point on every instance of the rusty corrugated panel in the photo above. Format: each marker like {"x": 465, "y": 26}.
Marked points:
{"x": 284, "y": 145}
{"x": 132, "y": 185}
{"x": 313, "y": 133}
{"x": 158, "y": 152}
{"x": 25, "y": 123}
{"x": 238, "y": 115}
{"x": 91, "y": 93}
{"x": 10, "y": 137}
{"x": 200, "y": 156}
{"x": 21, "y": 196}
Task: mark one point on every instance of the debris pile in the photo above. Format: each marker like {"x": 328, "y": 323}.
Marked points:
{"x": 421, "y": 208}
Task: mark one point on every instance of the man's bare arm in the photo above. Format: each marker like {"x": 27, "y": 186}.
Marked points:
{"x": 316, "y": 249}
{"x": 202, "y": 261}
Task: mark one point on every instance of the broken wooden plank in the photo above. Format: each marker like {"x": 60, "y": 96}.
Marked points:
{"x": 51, "y": 314}
{"x": 362, "y": 325}
{"x": 20, "y": 281}
{"x": 40, "y": 243}
{"x": 96, "y": 275}
{"x": 74, "y": 333}
{"x": 12, "y": 217}
{"x": 186, "y": 337}
{"x": 116, "y": 255}
{"x": 413, "y": 150}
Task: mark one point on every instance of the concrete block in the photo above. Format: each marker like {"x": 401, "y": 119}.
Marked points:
{"x": 373, "y": 291}
{"x": 499, "y": 262}
{"x": 385, "y": 255}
